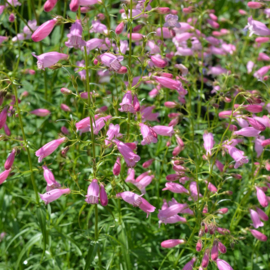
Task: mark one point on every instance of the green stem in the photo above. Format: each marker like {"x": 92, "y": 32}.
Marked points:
{"x": 97, "y": 234}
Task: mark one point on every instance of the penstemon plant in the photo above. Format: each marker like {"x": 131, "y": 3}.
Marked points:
{"x": 135, "y": 134}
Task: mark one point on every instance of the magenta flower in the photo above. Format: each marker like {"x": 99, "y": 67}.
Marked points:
{"x": 259, "y": 74}
{"x": 208, "y": 144}
{"x": 74, "y": 5}
{"x": 41, "y": 112}
{"x": 260, "y": 236}
{"x": 44, "y": 30}
{"x": 10, "y": 159}
{"x": 223, "y": 265}
{"x": 258, "y": 145}
{"x": 4, "y": 176}
{"x": 82, "y": 73}
{"x": 262, "y": 214}
{"x": 49, "y": 59}
{"x": 117, "y": 167}
{"x": 205, "y": 260}
{"x": 92, "y": 192}
{"x": 92, "y": 44}
{"x": 3, "y": 38}
{"x": 49, "y": 5}
{"x": 172, "y": 243}
{"x": 130, "y": 158}
{"x": 103, "y": 196}
{"x": 53, "y": 195}
{"x": 119, "y": 28}
{"x": 255, "y": 219}
{"x": 219, "y": 165}
{"x": 222, "y": 248}
{"x": 171, "y": 84}
{"x": 112, "y": 133}
{"x": 214, "y": 251}
{"x": 157, "y": 61}
{"x": 65, "y": 107}
{"x": 189, "y": 265}
{"x": 194, "y": 192}
{"x": 143, "y": 183}
{"x": 13, "y": 3}
{"x": 3, "y": 116}
{"x": 111, "y": 61}
{"x": 98, "y": 27}
{"x": 149, "y": 135}
{"x": 131, "y": 176}
{"x": 237, "y": 155}
{"x": 211, "y": 187}
{"x": 86, "y": 3}
{"x": 99, "y": 124}
{"x": 171, "y": 21}
{"x": 148, "y": 115}
{"x": 136, "y": 201}
{"x": 75, "y": 36}
{"x": 171, "y": 211}
{"x": 250, "y": 66}
{"x": 49, "y": 148}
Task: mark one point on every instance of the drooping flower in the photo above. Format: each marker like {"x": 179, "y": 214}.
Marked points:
{"x": 208, "y": 144}
{"x": 49, "y": 148}
{"x": 171, "y": 21}
{"x": 117, "y": 167}
{"x": 49, "y": 178}
{"x": 163, "y": 130}
{"x": 49, "y": 59}
{"x": 4, "y": 175}
{"x": 172, "y": 243}
{"x": 10, "y": 159}
{"x": 257, "y": 28}
{"x": 92, "y": 192}
{"x": 189, "y": 265}
{"x": 223, "y": 265}
{"x": 53, "y": 195}
{"x": 112, "y": 133}
{"x": 75, "y": 36}
{"x": 149, "y": 135}
{"x": 44, "y": 30}
{"x": 3, "y": 116}
{"x": 103, "y": 196}
{"x": 260, "y": 236}
{"x": 255, "y": 219}
{"x": 127, "y": 103}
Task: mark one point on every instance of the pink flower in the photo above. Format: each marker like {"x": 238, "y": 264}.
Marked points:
{"x": 127, "y": 104}
{"x": 3, "y": 38}
{"x": 237, "y": 155}
{"x": 148, "y": 163}
{"x": 143, "y": 183}
{"x": 263, "y": 57}
{"x": 103, "y": 196}
{"x": 149, "y": 135}
{"x": 158, "y": 61}
{"x": 248, "y": 132}
{"x": 49, "y": 148}
{"x": 254, "y": 5}
{"x": 10, "y": 159}
{"x": 172, "y": 243}
{"x": 3, "y": 116}
{"x": 136, "y": 201}
{"x": 256, "y": 124}
{"x": 171, "y": 84}
{"x": 64, "y": 130}
{"x": 99, "y": 124}
{"x": 171, "y": 211}
{"x": 74, "y": 5}
{"x": 111, "y": 61}
{"x": 250, "y": 66}
{"x": 148, "y": 115}
{"x": 49, "y": 59}
{"x": 82, "y": 73}
{"x": 211, "y": 187}
{"x": 189, "y": 265}
{"x": 221, "y": 247}
{"x": 214, "y": 251}
{"x": 262, "y": 198}
{"x": 261, "y": 214}
{"x": 53, "y": 195}
{"x": 260, "y": 236}
{"x": 98, "y": 27}
{"x": 112, "y": 133}
{"x": 265, "y": 142}
{"x": 163, "y": 130}
{"x": 49, "y": 178}
{"x": 49, "y": 5}
{"x": 259, "y": 74}
{"x": 13, "y": 3}
{"x": 117, "y": 167}
{"x": 208, "y": 139}
{"x": 257, "y": 28}
{"x": 171, "y": 21}
{"x": 41, "y": 112}
{"x": 119, "y": 28}
{"x": 194, "y": 190}
{"x": 219, "y": 165}
{"x": 75, "y": 36}
{"x": 130, "y": 158}
{"x": 258, "y": 145}
{"x": 4, "y": 176}
{"x": 65, "y": 107}
{"x": 44, "y": 30}
{"x": 87, "y": 2}
{"x": 199, "y": 245}
{"x": 175, "y": 188}
{"x": 223, "y": 265}
{"x": 205, "y": 260}
{"x": 92, "y": 192}
{"x": 255, "y": 219}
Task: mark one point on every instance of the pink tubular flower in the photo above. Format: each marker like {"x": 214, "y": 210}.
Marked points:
{"x": 92, "y": 192}
{"x": 214, "y": 251}
{"x": 7, "y": 130}
{"x": 148, "y": 163}
{"x": 237, "y": 155}
{"x": 41, "y": 112}
{"x": 103, "y": 196}
{"x": 171, "y": 84}
{"x": 199, "y": 245}
{"x": 220, "y": 166}
{"x": 3, "y": 38}
{"x": 117, "y": 167}
{"x": 265, "y": 142}
{"x": 143, "y": 183}
{"x": 75, "y": 36}
{"x": 259, "y": 74}
{"x": 175, "y": 188}
{"x": 254, "y": 5}
{"x": 136, "y": 201}
{"x": 260, "y": 236}
{"x": 119, "y": 28}
{"x": 171, "y": 21}
{"x": 256, "y": 124}
{"x": 86, "y": 3}
{"x": 254, "y": 108}
{"x": 257, "y": 28}
{"x": 250, "y": 66}
{"x": 163, "y": 130}
{"x": 172, "y": 243}
{"x": 99, "y": 124}
{"x": 171, "y": 211}
{"x": 222, "y": 248}
{"x": 255, "y": 219}
{"x": 158, "y": 61}
{"x": 49, "y": 177}
{"x": 223, "y": 265}
{"x": 112, "y": 61}
{"x": 189, "y": 265}
{"x": 205, "y": 260}
{"x": 263, "y": 57}
{"x": 148, "y": 115}
{"x": 3, "y": 116}
{"x": 4, "y": 176}
{"x": 130, "y": 158}
{"x": 49, "y": 59}
{"x": 44, "y": 30}
{"x": 53, "y": 195}
{"x": 74, "y": 5}
{"x": 247, "y": 132}
{"x": 13, "y": 3}
{"x": 65, "y": 107}
{"x": 127, "y": 104}
{"x": 262, "y": 214}
{"x": 194, "y": 190}
{"x": 49, "y": 5}
{"x": 211, "y": 187}
{"x": 208, "y": 139}
{"x": 10, "y": 159}
{"x": 112, "y": 133}
{"x": 262, "y": 198}
{"x": 149, "y": 135}
{"x": 49, "y": 148}
{"x": 98, "y": 27}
